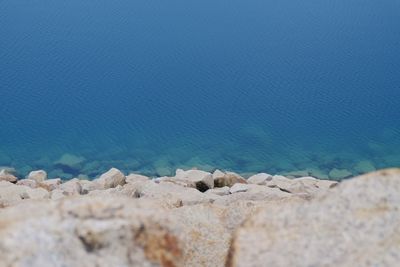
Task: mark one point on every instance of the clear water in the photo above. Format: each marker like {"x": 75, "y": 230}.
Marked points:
{"x": 248, "y": 86}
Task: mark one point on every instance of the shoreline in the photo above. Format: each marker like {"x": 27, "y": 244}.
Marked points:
{"x": 197, "y": 218}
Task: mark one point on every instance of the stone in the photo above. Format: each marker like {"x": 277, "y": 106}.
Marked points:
{"x": 88, "y": 186}
{"x": 71, "y": 187}
{"x": 37, "y": 193}
{"x": 111, "y": 178}
{"x": 364, "y": 166}
{"x": 51, "y": 184}
{"x": 239, "y": 188}
{"x": 57, "y": 194}
{"x": 38, "y": 176}
{"x": 173, "y": 195}
{"x": 355, "y": 224}
{"x": 11, "y": 194}
{"x": 339, "y": 174}
{"x": 280, "y": 182}
{"x": 219, "y": 191}
{"x": 6, "y": 176}
{"x": 227, "y": 179}
{"x": 260, "y": 179}
{"x": 28, "y": 182}
{"x": 299, "y": 173}
{"x": 133, "y": 177}
{"x": 200, "y": 180}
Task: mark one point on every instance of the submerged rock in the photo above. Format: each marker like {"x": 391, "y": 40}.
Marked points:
{"x": 354, "y": 225}
{"x": 364, "y": 166}
{"x": 70, "y": 162}
{"x": 338, "y": 174}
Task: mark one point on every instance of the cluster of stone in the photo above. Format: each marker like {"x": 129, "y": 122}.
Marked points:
{"x": 197, "y": 218}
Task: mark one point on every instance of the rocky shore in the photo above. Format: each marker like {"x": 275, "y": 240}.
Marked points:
{"x": 197, "y": 218}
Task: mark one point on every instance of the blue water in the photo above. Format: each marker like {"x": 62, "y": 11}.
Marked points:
{"x": 248, "y": 86}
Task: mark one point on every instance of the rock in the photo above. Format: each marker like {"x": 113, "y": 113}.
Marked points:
{"x": 220, "y": 191}
{"x": 90, "y": 232}
{"x": 279, "y": 181}
{"x": 37, "y": 193}
{"x": 364, "y": 166}
{"x": 173, "y": 195}
{"x": 338, "y": 174}
{"x": 38, "y": 176}
{"x": 88, "y": 186}
{"x": 6, "y": 176}
{"x": 260, "y": 179}
{"x": 200, "y": 180}
{"x": 70, "y": 161}
{"x": 326, "y": 184}
{"x": 57, "y": 194}
{"x": 111, "y": 179}
{"x": 11, "y": 194}
{"x": 294, "y": 174}
{"x": 51, "y": 184}
{"x": 71, "y": 187}
{"x": 133, "y": 177}
{"x": 227, "y": 179}
{"x": 239, "y": 188}
{"x": 355, "y": 224}
{"x": 28, "y": 182}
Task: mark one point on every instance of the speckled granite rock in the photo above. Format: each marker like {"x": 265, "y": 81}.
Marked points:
{"x": 355, "y": 224}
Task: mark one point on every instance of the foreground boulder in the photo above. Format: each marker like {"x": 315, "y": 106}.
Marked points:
{"x": 356, "y": 224}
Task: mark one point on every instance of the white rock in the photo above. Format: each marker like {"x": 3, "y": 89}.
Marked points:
{"x": 111, "y": 179}
{"x": 37, "y": 193}
{"x": 200, "y": 180}
{"x": 236, "y": 188}
{"x": 71, "y": 187}
{"x": 6, "y": 176}
{"x": 51, "y": 184}
{"x": 260, "y": 179}
{"x": 38, "y": 176}
{"x": 133, "y": 177}
{"x": 220, "y": 191}
{"x": 28, "y": 182}
{"x": 355, "y": 224}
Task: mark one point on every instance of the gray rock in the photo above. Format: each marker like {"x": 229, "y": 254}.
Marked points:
{"x": 38, "y": 176}
{"x": 355, "y": 224}
{"x": 133, "y": 177}
{"x": 260, "y": 179}
{"x": 236, "y": 188}
{"x": 88, "y": 186}
{"x": 111, "y": 179}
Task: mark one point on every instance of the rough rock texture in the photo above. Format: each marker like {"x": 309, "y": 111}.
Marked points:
{"x": 38, "y": 176}
{"x": 7, "y": 176}
{"x": 260, "y": 179}
{"x": 356, "y": 224}
{"x": 227, "y": 179}
{"x": 200, "y": 180}
{"x": 111, "y": 179}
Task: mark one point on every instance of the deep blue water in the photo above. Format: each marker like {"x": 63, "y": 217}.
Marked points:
{"x": 248, "y": 86}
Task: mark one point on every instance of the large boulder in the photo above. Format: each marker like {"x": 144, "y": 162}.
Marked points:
{"x": 354, "y": 224}
{"x": 111, "y": 178}
{"x": 260, "y": 179}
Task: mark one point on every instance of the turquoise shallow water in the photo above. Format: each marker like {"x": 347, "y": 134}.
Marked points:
{"x": 248, "y": 86}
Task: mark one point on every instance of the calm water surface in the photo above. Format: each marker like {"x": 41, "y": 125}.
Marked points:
{"x": 249, "y": 86}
